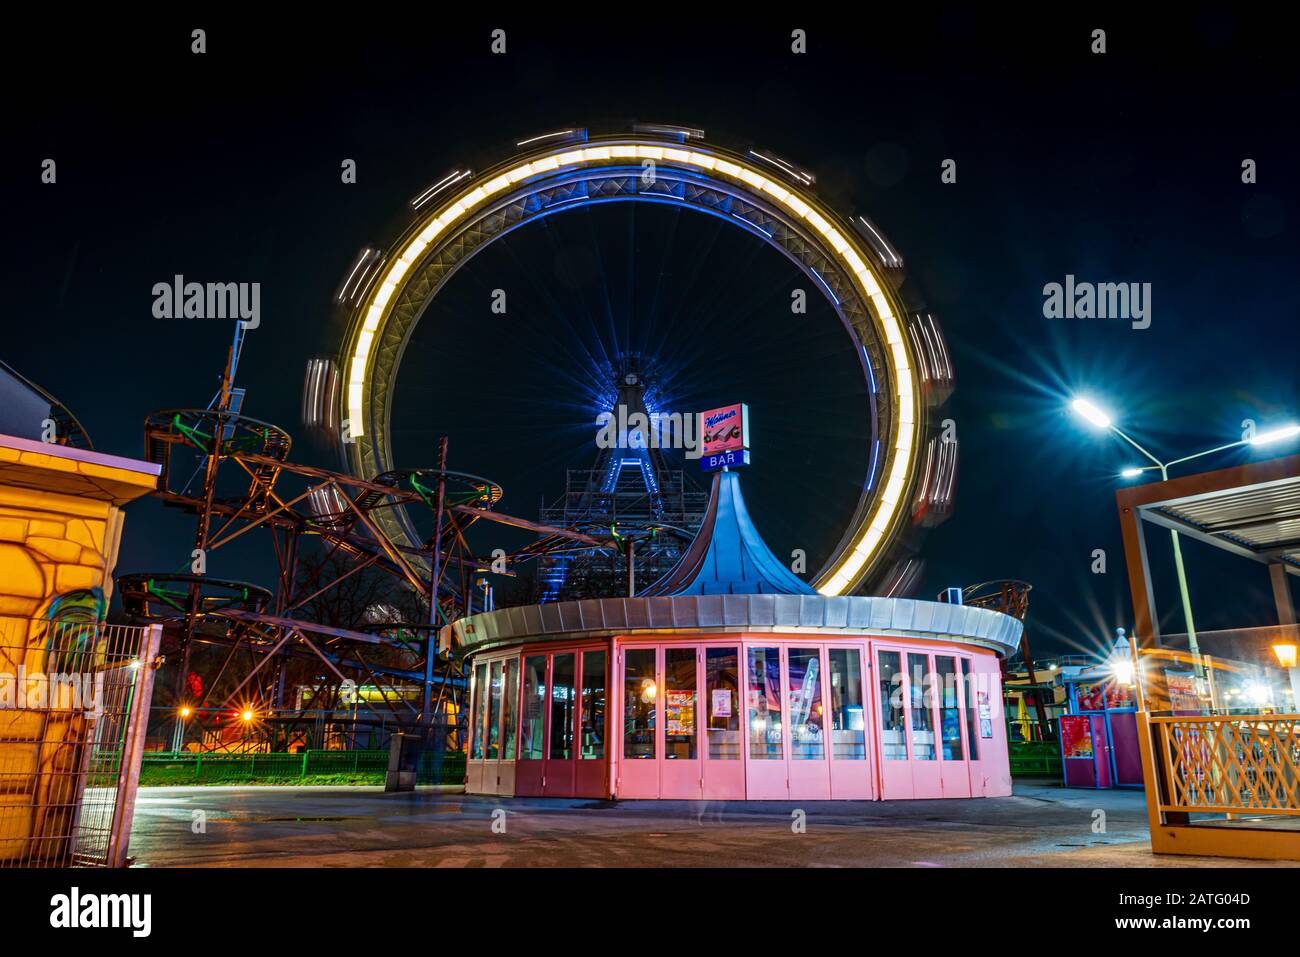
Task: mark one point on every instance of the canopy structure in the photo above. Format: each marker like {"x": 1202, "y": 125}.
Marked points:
{"x": 1251, "y": 510}
{"x": 728, "y": 556}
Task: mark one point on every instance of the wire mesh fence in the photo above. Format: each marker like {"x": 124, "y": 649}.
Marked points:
{"x": 74, "y": 696}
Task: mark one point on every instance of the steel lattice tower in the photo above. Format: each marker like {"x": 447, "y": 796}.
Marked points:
{"x": 630, "y": 489}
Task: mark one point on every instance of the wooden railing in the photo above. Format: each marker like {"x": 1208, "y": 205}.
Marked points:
{"x": 1228, "y": 764}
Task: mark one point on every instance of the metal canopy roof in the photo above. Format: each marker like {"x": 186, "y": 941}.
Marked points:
{"x": 1251, "y": 510}
{"x": 728, "y": 556}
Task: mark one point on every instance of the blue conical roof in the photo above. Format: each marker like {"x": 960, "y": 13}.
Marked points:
{"x": 728, "y": 556}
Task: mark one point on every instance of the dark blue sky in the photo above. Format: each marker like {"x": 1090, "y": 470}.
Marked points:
{"x": 1124, "y": 167}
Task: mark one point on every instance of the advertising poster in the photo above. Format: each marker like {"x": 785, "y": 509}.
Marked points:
{"x": 1076, "y": 736}
{"x": 721, "y": 703}
{"x": 680, "y": 712}
{"x": 985, "y": 714}
{"x": 1182, "y": 691}
{"x": 724, "y": 429}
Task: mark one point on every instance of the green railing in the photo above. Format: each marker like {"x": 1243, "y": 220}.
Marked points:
{"x": 316, "y": 767}
{"x": 1036, "y": 759}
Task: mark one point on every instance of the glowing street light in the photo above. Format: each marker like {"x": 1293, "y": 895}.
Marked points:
{"x": 1274, "y": 435}
{"x": 1089, "y": 411}
{"x": 1286, "y": 654}
{"x": 247, "y": 716}
{"x": 1094, "y": 415}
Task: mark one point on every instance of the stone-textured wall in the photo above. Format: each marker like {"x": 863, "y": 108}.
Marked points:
{"x": 60, "y": 526}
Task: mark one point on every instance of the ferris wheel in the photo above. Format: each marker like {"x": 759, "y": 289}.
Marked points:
{"x": 904, "y": 362}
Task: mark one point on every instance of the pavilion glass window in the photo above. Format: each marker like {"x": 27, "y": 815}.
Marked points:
{"x": 972, "y": 710}
{"x": 494, "y": 712}
{"x": 945, "y": 669}
{"x": 592, "y": 746}
{"x": 562, "y": 707}
{"x": 807, "y": 742}
{"x": 480, "y": 710}
{"x": 532, "y": 738}
{"x": 722, "y": 691}
{"x": 764, "y": 704}
{"x": 640, "y": 702}
{"x": 680, "y": 699}
{"x": 510, "y": 709}
{"x": 848, "y": 722}
{"x": 922, "y": 685}
{"x": 892, "y": 721}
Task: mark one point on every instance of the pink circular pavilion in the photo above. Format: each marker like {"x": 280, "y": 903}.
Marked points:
{"x": 732, "y": 679}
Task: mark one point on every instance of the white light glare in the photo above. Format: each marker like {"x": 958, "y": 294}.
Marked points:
{"x": 1275, "y": 435}
{"x": 1091, "y": 413}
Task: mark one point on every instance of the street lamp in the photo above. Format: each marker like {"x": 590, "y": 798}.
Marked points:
{"x": 1097, "y": 417}
{"x": 178, "y": 736}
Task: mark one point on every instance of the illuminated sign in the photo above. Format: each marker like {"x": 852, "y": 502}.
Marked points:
{"x": 724, "y": 437}
{"x": 725, "y": 429}
{"x": 724, "y": 460}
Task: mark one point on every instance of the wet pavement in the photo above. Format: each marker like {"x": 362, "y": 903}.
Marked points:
{"x": 1040, "y": 825}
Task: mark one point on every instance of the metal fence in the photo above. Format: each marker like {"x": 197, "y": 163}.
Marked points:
{"x": 354, "y": 766}
{"x": 74, "y": 699}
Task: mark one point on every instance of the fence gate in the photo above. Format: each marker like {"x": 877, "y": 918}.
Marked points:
{"x": 74, "y": 700}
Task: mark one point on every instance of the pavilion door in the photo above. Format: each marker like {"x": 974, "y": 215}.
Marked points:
{"x": 559, "y": 777}
{"x": 550, "y": 716}
{"x": 891, "y": 724}
{"x": 661, "y": 737}
{"x": 639, "y": 739}
{"x": 722, "y": 713}
{"x": 530, "y": 772}
{"x": 848, "y": 721}
{"x": 927, "y": 778}
{"x": 809, "y": 767}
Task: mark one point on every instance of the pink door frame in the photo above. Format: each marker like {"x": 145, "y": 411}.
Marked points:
{"x": 497, "y": 775}
{"x": 745, "y": 777}
{"x": 560, "y": 777}
{"x": 940, "y": 777}
{"x": 990, "y": 770}
{"x": 766, "y": 778}
{"x": 853, "y": 778}
{"x": 810, "y": 778}
{"x": 682, "y": 779}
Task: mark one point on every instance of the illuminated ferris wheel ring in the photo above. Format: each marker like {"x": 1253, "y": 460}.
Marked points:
{"x": 466, "y": 212}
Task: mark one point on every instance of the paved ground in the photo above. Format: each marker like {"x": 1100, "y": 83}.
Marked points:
{"x": 342, "y": 827}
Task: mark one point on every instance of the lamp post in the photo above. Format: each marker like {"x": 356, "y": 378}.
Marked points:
{"x": 1095, "y": 416}
{"x": 1286, "y": 657}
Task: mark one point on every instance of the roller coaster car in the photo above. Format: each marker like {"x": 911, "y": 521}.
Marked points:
{"x": 260, "y": 447}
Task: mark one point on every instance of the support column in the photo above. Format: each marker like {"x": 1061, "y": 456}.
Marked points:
{"x": 1281, "y": 593}
{"x": 1146, "y": 626}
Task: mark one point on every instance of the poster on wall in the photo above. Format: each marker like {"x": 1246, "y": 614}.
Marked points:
{"x": 721, "y": 703}
{"x": 985, "y": 714}
{"x": 1076, "y": 736}
{"x": 1182, "y": 691}
{"x": 680, "y": 712}
{"x": 1091, "y": 695}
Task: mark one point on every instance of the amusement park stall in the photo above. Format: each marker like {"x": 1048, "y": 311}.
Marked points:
{"x": 732, "y": 679}
{"x": 1099, "y": 736}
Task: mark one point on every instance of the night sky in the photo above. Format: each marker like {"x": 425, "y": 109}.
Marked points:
{"x": 1122, "y": 167}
